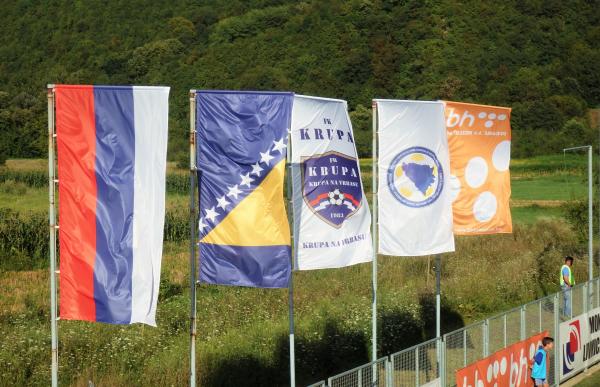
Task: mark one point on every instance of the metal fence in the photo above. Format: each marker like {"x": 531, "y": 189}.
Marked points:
{"x": 435, "y": 362}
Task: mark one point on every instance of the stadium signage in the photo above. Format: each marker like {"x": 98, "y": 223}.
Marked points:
{"x": 507, "y": 367}
{"x": 579, "y": 343}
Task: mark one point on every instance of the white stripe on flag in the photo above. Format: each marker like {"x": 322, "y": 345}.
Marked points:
{"x": 151, "y": 114}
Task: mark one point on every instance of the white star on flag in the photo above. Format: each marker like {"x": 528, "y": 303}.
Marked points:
{"x": 201, "y": 225}
{"x": 234, "y": 191}
{"x": 211, "y": 214}
{"x": 246, "y": 180}
{"x": 222, "y": 202}
{"x": 279, "y": 146}
{"x": 256, "y": 169}
{"x": 266, "y": 157}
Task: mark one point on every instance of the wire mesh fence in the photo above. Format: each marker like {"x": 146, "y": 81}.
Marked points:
{"x": 435, "y": 362}
{"x": 369, "y": 375}
{"x": 417, "y": 365}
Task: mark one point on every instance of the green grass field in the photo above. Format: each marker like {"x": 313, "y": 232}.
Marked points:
{"x": 591, "y": 381}
{"x": 242, "y": 332}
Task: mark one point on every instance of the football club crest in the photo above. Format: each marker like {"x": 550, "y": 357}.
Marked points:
{"x": 331, "y": 186}
{"x": 416, "y": 177}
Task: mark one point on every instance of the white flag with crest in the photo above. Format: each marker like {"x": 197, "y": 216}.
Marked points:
{"x": 415, "y": 206}
{"x": 331, "y": 214}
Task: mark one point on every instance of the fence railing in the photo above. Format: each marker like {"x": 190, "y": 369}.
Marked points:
{"x": 435, "y": 362}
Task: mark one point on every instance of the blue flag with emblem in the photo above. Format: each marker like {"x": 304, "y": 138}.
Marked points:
{"x": 241, "y": 154}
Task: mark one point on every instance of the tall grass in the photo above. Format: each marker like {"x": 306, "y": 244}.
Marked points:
{"x": 242, "y": 332}
{"x": 24, "y": 236}
{"x": 176, "y": 183}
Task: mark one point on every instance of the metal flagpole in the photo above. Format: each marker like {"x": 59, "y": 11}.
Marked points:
{"x": 52, "y": 222}
{"x": 590, "y": 208}
{"x": 591, "y": 216}
{"x": 438, "y": 290}
{"x": 375, "y": 230}
{"x": 193, "y": 226}
{"x": 291, "y": 285}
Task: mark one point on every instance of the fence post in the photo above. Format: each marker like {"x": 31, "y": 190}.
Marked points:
{"x": 557, "y": 353}
{"x": 504, "y": 322}
{"x": 486, "y": 334}
{"x": 585, "y": 297}
{"x": 442, "y": 366}
{"x": 388, "y": 372}
{"x": 360, "y": 376}
{"x": 464, "y": 347}
{"x": 417, "y": 366}
{"x": 540, "y": 316}
{"x": 523, "y": 311}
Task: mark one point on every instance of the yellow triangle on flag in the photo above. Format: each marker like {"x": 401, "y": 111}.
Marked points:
{"x": 259, "y": 219}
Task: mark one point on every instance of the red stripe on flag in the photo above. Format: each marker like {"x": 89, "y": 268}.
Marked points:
{"x": 76, "y": 143}
{"x": 318, "y": 199}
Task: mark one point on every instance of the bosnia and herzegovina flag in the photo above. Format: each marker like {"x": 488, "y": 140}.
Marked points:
{"x": 112, "y": 145}
{"x": 241, "y": 154}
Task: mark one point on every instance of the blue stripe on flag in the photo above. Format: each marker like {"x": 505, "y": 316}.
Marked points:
{"x": 115, "y": 157}
{"x": 257, "y": 266}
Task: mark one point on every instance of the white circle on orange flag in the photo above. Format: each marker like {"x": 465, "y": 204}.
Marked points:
{"x": 476, "y": 172}
{"x": 485, "y": 206}
{"x": 501, "y": 156}
{"x": 454, "y": 187}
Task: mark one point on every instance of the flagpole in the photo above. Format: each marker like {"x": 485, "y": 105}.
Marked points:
{"x": 590, "y": 215}
{"x": 291, "y": 284}
{"x": 192, "y": 238}
{"x": 438, "y": 290}
{"x": 53, "y": 227}
{"x": 375, "y": 230}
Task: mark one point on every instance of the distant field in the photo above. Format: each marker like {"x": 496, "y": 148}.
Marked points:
{"x": 539, "y": 186}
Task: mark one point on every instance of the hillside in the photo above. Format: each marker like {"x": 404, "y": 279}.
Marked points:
{"x": 542, "y": 58}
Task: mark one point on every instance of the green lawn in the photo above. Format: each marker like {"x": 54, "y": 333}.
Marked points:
{"x": 549, "y": 187}
{"x": 591, "y": 381}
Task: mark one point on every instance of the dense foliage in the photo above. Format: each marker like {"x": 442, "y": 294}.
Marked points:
{"x": 541, "y": 57}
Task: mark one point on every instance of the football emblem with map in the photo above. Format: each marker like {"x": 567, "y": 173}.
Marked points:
{"x": 415, "y": 177}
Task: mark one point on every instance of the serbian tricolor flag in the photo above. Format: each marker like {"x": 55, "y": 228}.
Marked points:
{"x": 241, "y": 154}
{"x": 112, "y": 145}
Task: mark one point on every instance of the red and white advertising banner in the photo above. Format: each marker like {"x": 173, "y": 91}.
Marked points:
{"x": 507, "y": 367}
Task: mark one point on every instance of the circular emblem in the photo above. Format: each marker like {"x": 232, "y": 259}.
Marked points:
{"x": 416, "y": 177}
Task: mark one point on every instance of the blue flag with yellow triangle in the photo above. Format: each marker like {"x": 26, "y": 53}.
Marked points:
{"x": 241, "y": 144}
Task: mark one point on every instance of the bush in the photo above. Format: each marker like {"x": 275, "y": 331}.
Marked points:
{"x": 24, "y": 237}
{"x": 176, "y": 183}
{"x": 34, "y": 179}
{"x": 12, "y": 187}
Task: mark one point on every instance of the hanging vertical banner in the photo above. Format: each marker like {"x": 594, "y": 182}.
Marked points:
{"x": 415, "y": 207}
{"x": 331, "y": 215}
{"x": 112, "y": 148}
{"x": 479, "y": 139}
{"x": 241, "y": 153}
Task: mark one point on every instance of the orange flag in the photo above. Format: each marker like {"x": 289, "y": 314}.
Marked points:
{"x": 479, "y": 141}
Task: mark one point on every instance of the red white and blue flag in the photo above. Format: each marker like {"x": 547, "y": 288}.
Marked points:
{"x": 112, "y": 145}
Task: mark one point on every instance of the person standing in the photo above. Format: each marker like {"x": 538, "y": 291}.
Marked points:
{"x": 567, "y": 280}
{"x": 539, "y": 372}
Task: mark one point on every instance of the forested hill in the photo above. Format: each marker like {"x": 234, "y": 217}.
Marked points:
{"x": 541, "y": 57}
